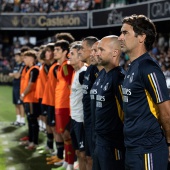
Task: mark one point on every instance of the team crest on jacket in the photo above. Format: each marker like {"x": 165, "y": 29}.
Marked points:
{"x": 87, "y": 77}
{"x": 98, "y": 82}
{"x": 131, "y": 78}
{"x": 106, "y": 87}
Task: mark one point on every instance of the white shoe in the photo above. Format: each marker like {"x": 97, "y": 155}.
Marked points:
{"x": 31, "y": 147}
{"x": 24, "y": 143}
{"x": 15, "y": 123}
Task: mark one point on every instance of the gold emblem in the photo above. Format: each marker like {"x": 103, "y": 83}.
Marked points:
{"x": 68, "y": 153}
{"x": 15, "y": 21}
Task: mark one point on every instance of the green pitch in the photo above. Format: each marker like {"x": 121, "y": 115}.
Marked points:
{"x": 7, "y": 109}
{"x": 12, "y": 155}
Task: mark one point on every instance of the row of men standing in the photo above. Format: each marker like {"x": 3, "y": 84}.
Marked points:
{"x": 60, "y": 103}
{"x": 95, "y": 128}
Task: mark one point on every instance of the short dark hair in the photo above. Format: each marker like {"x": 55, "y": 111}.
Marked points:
{"x": 64, "y": 36}
{"x": 18, "y": 53}
{"x": 30, "y": 53}
{"x": 142, "y": 25}
{"x": 63, "y": 44}
{"x": 24, "y": 48}
{"x": 36, "y": 49}
{"x": 50, "y": 46}
{"x": 75, "y": 42}
{"x": 76, "y": 46}
{"x": 42, "y": 54}
{"x": 42, "y": 47}
{"x": 90, "y": 40}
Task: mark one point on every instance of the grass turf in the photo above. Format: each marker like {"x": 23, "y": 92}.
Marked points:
{"x": 7, "y": 109}
{"x": 2, "y": 159}
{"x": 12, "y": 155}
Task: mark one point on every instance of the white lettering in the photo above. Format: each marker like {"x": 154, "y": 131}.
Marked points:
{"x": 160, "y": 9}
{"x": 126, "y": 91}
{"x": 92, "y": 97}
{"x": 99, "y": 104}
{"x": 100, "y": 98}
{"x": 93, "y": 91}
{"x": 125, "y": 99}
{"x": 85, "y": 87}
{"x": 84, "y": 91}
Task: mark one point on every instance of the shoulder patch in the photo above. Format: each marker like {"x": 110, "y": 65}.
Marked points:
{"x": 96, "y": 75}
{"x": 65, "y": 70}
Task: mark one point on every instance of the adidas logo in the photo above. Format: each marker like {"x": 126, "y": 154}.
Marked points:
{"x": 81, "y": 145}
{"x": 68, "y": 153}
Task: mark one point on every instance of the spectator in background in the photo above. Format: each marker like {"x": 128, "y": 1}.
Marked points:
{"x": 64, "y": 36}
{"x": 155, "y": 50}
{"x": 161, "y": 41}
{"x": 161, "y": 60}
{"x": 27, "y": 42}
{"x": 3, "y": 5}
{"x": 23, "y": 7}
{"x": 164, "y": 70}
{"x": 1, "y": 63}
{"x": 55, "y": 7}
{"x": 16, "y": 47}
{"x": 16, "y": 74}
{"x": 167, "y": 58}
{"x": 26, "y": 7}
{"x": 7, "y": 6}
{"x": 98, "y": 4}
{"x": 16, "y": 7}
{"x": 80, "y": 5}
{"x": 45, "y": 6}
{"x": 60, "y": 5}
{"x": 6, "y": 64}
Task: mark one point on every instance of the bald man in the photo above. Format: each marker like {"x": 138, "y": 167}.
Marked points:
{"x": 109, "y": 149}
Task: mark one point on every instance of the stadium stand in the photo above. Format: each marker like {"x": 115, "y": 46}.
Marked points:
{"x": 29, "y": 6}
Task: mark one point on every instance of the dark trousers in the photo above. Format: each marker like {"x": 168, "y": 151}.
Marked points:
{"x": 108, "y": 158}
{"x": 33, "y": 127}
{"x": 157, "y": 160}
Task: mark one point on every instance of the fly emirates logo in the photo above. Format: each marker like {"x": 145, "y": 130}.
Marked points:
{"x": 85, "y": 89}
{"x": 93, "y": 92}
{"x": 99, "y": 100}
{"x": 126, "y": 93}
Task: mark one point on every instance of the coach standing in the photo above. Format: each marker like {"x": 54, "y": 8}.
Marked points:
{"x": 146, "y": 99}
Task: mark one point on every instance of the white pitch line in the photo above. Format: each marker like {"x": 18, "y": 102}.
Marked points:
{"x": 11, "y": 168}
{"x": 10, "y": 158}
{"x": 6, "y": 150}
{"x": 5, "y": 143}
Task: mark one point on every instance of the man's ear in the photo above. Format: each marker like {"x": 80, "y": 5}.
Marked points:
{"x": 115, "y": 53}
{"x": 142, "y": 38}
{"x": 65, "y": 52}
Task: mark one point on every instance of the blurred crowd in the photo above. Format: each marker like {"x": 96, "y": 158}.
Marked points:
{"x": 28, "y": 6}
